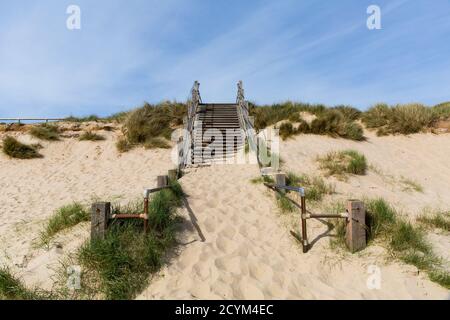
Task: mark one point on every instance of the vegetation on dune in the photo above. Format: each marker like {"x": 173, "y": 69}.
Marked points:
{"x": 404, "y": 119}
{"x": 91, "y": 136}
{"x": 440, "y": 220}
{"x": 123, "y": 145}
{"x": 336, "y": 122}
{"x": 157, "y": 143}
{"x": 64, "y": 218}
{"x": 151, "y": 122}
{"x": 120, "y": 265}
{"x": 15, "y": 149}
{"x": 45, "y": 132}
{"x": 12, "y": 288}
{"x": 315, "y": 187}
{"x": 404, "y": 240}
{"x": 91, "y": 118}
{"x": 342, "y": 163}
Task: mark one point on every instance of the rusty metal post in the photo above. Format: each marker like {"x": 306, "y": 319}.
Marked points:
{"x": 146, "y": 214}
{"x": 304, "y": 232}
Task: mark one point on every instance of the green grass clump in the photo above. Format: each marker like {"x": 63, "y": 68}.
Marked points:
{"x": 334, "y": 124}
{"x": 123, "y": 145}
{"x": 406, "y": 241}
{"x": 343, "y": 162}
{"x": 121, "y": 264}
{"x": 411, "y": 185}
{"x": 15, "y": 149}
{"x": 91, "y": 136}
{"x": 284, "y": 203}
{"x": 315, "y": 187}
{"x": 403, "y": 119}
{"x": 380, "y": 216}
{"x": 152, "y": 121}
{"x": 12, "y": 288}
{"x": 440, "y": 220}
{"x": 45, "y": 132}
{"x": 263, "y": 179}
{"x": 441, "y": 111}
{"x": 157, "y": 143}
{"x": 286, "y": 130}
{"x": 64, "y": 218}
{"x": 377, "y": 116}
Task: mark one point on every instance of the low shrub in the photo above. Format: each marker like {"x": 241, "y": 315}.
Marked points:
{"x": 45, "y": 132}
{"x": 343, "y": 162}
{"x": 123, "y": 145}
{"x": 91, "y": 136}
{"x": 64, "y": 218}
{"x": 120, "y": 265}
{"x": 157, "y": 143}
{"x": 12, "y": 288}
{"x": 15, "y": 149}
{"x": 286, "y": 130}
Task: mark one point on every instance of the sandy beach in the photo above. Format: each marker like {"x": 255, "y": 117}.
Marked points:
{"x": 234, "y": 243}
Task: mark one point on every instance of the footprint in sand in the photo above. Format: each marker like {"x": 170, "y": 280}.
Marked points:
{"x": 228, "y": 231}
{"x": 249, "y": 291}
{"x": 230, "y": 264}
{"x": 210, "y": 225}
{"x": 260, "y": 272}
{"x": 225, "y": 245}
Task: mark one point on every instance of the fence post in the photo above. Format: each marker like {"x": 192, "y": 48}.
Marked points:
{"x": 173, "y": 175}
{"x": 100, "y": 214}
{"x": 355, "y": 236}
{"x": 162, "y": 181}
{"x": 280, "y": 180}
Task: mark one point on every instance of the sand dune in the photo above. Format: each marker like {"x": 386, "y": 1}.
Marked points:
{"x": 241, "y": 248}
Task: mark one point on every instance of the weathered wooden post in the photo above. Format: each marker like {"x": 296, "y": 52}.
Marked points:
{"x": 173, "y": 175}
{"x": 100, "y": 215}
{"x": 162, "y": 181}
{"x": 355, "y": 236}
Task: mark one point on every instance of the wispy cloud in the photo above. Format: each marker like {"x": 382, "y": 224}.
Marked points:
{"x": 128, "y": 52}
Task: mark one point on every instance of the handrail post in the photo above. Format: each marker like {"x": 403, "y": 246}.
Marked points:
{"x": 305, "y": 244}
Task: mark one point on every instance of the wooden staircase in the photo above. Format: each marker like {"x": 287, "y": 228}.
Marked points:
{"x": 217, "y": 134}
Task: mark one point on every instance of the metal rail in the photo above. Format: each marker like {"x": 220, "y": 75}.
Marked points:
{"x": 19, "y": 120}
{"x": 143, "y": 216}
{"x": 302, "y": 195}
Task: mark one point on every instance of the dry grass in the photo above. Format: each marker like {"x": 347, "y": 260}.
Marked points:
{"x": 45, "y": 132}
{"x": 342, "y": 163}
{"x": 15, "y": 149}
{"x": 404, "y": 119}
{"x": 91, "y": 136}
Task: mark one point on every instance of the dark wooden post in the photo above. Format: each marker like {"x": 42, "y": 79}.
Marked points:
{"x": 355, "y": 236}
{"x": 100, "y": 215}
{"x": 162, "y": 181}
{"x": 173, "y": 175}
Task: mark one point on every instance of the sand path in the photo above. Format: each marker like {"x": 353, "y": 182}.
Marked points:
{"x": 249, "y": 254}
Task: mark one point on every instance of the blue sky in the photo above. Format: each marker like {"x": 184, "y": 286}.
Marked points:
{"x": 128, "y": 52}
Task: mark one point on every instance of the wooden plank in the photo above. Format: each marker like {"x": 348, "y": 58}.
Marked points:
{"x": 355, "y": 236}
